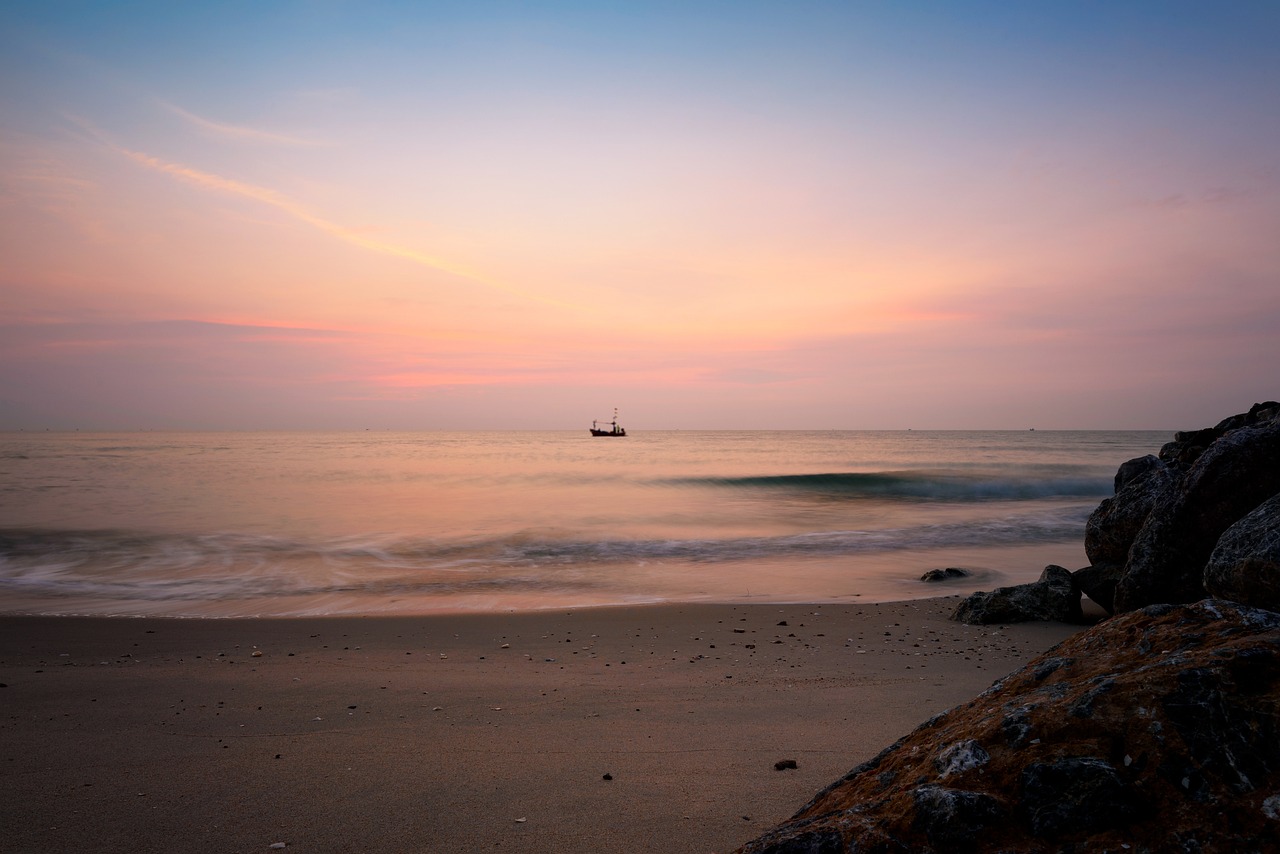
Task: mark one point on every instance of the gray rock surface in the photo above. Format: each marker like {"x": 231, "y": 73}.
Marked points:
{"x": 1245, "y": 565}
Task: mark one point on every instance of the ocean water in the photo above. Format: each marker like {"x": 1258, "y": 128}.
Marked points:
{"x": 255, "y": 524}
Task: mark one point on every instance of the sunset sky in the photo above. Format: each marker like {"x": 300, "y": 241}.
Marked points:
{"x": 707, "y": 214}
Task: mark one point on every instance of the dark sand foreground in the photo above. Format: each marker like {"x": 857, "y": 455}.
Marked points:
{"x": 465, "y": 733}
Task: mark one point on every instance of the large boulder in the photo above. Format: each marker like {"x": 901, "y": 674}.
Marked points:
{"x": 1231, "y": 477}
{"x": 1054, "y": 597}
{"x": 1245, "y": 566}
{"x": 1158, "y": 730}
{"x": 1141, "y": 485}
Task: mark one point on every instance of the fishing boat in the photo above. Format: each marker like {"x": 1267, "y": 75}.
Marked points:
{"x": 614, "y": 428}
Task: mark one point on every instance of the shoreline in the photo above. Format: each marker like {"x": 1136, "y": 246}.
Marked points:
{"x": 878, "y": 579}
{"x": 467, "y": 732}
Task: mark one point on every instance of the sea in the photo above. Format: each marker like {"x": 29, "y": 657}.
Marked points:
{"x": 238, "y": 524}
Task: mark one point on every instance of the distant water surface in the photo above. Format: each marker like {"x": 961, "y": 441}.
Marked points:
{"x": 244, "y": 524}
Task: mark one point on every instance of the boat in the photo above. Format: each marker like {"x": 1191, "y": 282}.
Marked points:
{"x": 614, "y": 428}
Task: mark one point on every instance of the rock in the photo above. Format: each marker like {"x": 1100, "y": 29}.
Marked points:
{"x": 952, "y": 819}
{"x": 1076, "y": 794}
{"x": 1245, "y": 565}
{"x": 1167, "y": 559}
{"x": 1141, "y": 484}
{"x": 1054, "y": 597}
{"x": 947, "y": 574}
{"x": 1259, "y": 413}
{"x": 1135, "y": 468}
{"x": 784, "y": 764}
{"x": 1098, "y": 582}
{"x": 1187, "y": 446}
{"x": 1157, "y": 730}
{"x": 1168, "y": 510}
{"x": 961, "y": 756}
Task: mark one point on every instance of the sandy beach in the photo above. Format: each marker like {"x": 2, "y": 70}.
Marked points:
{"x": 654, "y": 728}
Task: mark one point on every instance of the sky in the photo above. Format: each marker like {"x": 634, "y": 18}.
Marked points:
{"x": 709, "y": 215}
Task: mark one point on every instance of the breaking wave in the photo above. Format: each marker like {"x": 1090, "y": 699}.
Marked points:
{"x": 957, "y": 486}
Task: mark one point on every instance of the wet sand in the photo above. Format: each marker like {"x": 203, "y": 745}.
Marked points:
{"x": 654, "y": 728}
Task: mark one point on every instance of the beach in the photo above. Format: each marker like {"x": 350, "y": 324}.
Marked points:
{"x": 653, "y": 728}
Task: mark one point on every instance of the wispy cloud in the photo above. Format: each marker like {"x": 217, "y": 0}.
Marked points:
{"x": 239, "y": 132}
{"x": 281, "y": 202}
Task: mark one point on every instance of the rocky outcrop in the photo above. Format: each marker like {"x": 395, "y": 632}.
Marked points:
{"x": 1169, "y": 510}
{"x": 1155, "y": 731}
{"x": 1054, "y": 597}
{"x": 1151, "y": 541}
{"x": 1148, "y": 482}
{"x": 1245, "y": 565}
{"x": 1166, "y": 561}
